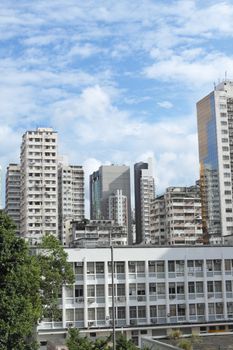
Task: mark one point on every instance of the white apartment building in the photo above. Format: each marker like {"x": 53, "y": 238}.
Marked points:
{"x": 155, "y": 289}
{"x": 176, "y": 217}
{"x": 215, "y": 136}
{"x": 70, "y": 197}
{"x": 12, "y": 205}
{"x": 117, "y": 208}
{"x": 144, "y": 193}
{"x": 39, "y": 197}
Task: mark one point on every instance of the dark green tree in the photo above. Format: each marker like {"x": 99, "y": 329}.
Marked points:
{"x": 77, "y": 342}
{"x": 55, "y": 271}
{"x": 29, "y": 285}
{"x": 20, "y": 301}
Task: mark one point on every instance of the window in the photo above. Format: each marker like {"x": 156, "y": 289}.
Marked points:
{"x": 132, "y": 267}
{"x": 78, "y": 291}
{"x": 100, "y": 313}
{"x": 152, "y": 288}
{"x": 160, "y": 266}
{"x": 199, "y": 287}
{"x": 120, "y": 267}
{"x": 69, "y": 314}
{"x": 161, "y": 288}
{"x": 99, "y": 267}
{"x": 218, "y": 286}
{"x": 192, "y": 309}
{"x": 141, "y": 311}
{"x": 161, "y": 310}
{"x": 91, "y": 291}
{"x": 90, "y": 268}
{"x": 191, "y": 287}
{"x": 100, "y": 290}
{"x": 210, "y": 287}
{"x": 133, "y": 312}
{"x": 153, "y": 311}
{"x": 91, "y": 314}
{"x": 171, "y": 266}
{"x": 121, "y": 312}
{"x": 140, "y": 266}
{"x": 211, "y": 308}
{"x": 120, "y": 289}
{"x": 228, "y": 286}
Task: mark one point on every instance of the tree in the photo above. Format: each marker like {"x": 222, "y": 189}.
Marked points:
{"x": 20, "y": 302}
{"x": 29, "y": 285}
{"x": 55, "y": 271}
{"x": 77, "y": 342}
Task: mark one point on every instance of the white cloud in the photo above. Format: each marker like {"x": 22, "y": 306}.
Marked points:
{"x": 165, "y": 104}
{"x": 198, "y": 71}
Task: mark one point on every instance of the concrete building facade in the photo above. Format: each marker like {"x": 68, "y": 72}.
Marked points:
{"x": 71, "y": 201}
{"x": 98, "y": 233}
{"x": 12, "y": 203}
{"x": 176, "y": 217}
{"x": 215, "y": 136}
{"x": 155, "y": 289}
{"x": 39, "y": 192}
{"x": 144, "y": 190}
{"x": 104, "y": 182}
{"x": 117, "y": 208}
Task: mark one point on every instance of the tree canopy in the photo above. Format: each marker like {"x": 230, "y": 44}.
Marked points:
{"x": 29, "y": 285}
{"x": 75, "y": 341}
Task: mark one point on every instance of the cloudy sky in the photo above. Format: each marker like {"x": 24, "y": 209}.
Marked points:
{"x": 118, "y": 80}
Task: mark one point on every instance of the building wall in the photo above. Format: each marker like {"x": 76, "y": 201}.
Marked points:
{"x": 215, "y": 136}
{"x": 176, "y": 217}
{"x": 144, "y": 193}
{"x": 103, "y": 183}
{"x": 39, "y": 197}
{"x": 71, "y": 197}
{"x": 155, "y": 288}
{"x": 12, "y": 206}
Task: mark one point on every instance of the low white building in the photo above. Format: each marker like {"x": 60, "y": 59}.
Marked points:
{"x": 156, "y": 290}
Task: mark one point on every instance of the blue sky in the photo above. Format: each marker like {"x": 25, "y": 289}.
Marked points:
{"x": 118, "y": 80}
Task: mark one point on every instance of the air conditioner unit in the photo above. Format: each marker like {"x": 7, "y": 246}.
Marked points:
{"x": 79, "y": 300}
{"x": 121, "y": 299}
{"x": 140, "y": 298}
{"x": 70, "y": 324}
{"x": 91, "y": 300}
{"x": 153, "y": 320}
{"x": 133, "y": 322}
{"x": 90, "y": 324}
{"x": 78, "y": 263}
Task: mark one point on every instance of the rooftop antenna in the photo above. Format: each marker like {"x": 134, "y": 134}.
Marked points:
{"x": 214, "y": 85}
{"x": 225, "y": 75}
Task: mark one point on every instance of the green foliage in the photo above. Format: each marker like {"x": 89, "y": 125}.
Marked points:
{"x": 77, "y": 342}
{"x": 185, "y": 344}
{"x": 29, "y": 286}
{"x": 20, "y": 303}
{"x": 55, "y": 271}
{"x": 175, "y": 334}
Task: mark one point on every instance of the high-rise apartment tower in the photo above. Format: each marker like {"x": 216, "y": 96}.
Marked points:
{"x": 144, "y": 190}
{"x": 39, "y": 194}
{"x": 70, "y": 196}
{"x": 215, "y": 136}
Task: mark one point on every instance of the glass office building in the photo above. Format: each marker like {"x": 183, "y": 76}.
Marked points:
{"x": 215, "y": 136}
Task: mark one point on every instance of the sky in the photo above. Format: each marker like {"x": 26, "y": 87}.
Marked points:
{"x": 118, "y": 80}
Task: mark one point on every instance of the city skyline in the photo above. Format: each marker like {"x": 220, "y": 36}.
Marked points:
{"x": 118, "y": 82}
